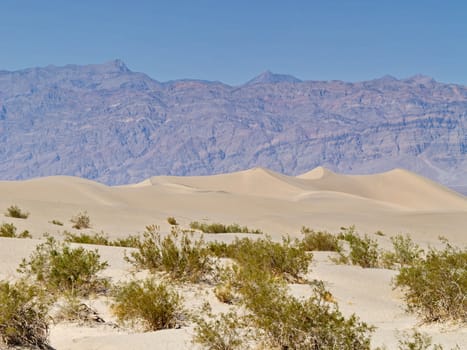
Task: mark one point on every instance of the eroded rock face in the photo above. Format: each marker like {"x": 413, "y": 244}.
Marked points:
{"x": 107, "y": 123}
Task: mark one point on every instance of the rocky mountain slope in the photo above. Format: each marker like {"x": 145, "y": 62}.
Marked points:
{"x": 107, "y": 123}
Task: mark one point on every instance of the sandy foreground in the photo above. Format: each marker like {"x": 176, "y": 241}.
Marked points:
{"x": 394, "y": 202}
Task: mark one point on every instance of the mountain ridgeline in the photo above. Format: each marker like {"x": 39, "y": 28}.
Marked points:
{"x": 107, "y": 123}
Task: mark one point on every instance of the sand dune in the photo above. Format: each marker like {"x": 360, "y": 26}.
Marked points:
{"x": 395, "y": 202}
{"x": 254, "y": 182}
{"x": 397, "y": 186}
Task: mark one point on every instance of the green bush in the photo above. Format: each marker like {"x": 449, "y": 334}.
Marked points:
{"x": 221, "y": 228}
{"x": 177, "y": 254}
{"x": 319, "y": 241}
{"x": 129, "y": 241}
{"x": 172, "y": 221}
{"x": 219, "y": 249}
{"x": 24, "y": 234}
{"x": 101, "y": 239}
{"x": 277, "y": 320}
{"x": 23, "y": 316}
{"x": 81, "y": 221}
{"x": 63, "y": 269}
{"x": 9, "y": 230}
{"x": 314, "y": 323}
{"x": 57, "y": 222}
{"x": 414, "y": 341}
{"x": 15, "y": 212}
{"x": 286, "y": 259}
{"x": 405, "y": 252}
{"x": 274, "y": 319}
{"x": 155, "y": 306}
{"x": 435, "y": 287}
{"x": 418, "y": 341}
{"x": 84, "y": 238}
{"x": 222, "y": 332}
{"x": 363, "y": 251}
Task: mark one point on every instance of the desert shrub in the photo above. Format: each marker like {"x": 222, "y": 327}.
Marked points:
{"x": 415, "y": 340}
{"x": 320, "y": 241}
{"x": 130, "y": 241}
{"x": 23, "y": 316}
{"x": 435, "y": 287}
{"x": 84, "y": 238}
{"x": 219, "y": 249}
{"x": 274, "y": 319}
{"x": 178, "y": 254}
{"x": 221, "y": 332}
{"x": 57, "y": 222}
{"x": 9, "y": 230}
{"x": 285, "y": 322}
{"x": 62, "y": 269}
{"x": 24, "y": 234}
{"x": 172, "y": 221}
{"x": 348, "y": 233}
{"x": 101, "y": 239}
{"x": 363, "y": 250}
{"x": 15, "y": 212}
{"x": 310, "y": 324}
{"x": 154, "y": 306}
{"x": 81, "y": 220}
{"x": 286, "y": 259}
{"x": 221, "y": 228}
{"x": 405, "y": 252}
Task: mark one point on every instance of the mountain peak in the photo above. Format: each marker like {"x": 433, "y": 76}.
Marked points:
{"x": 386, "y": 77}
{"x": 116, "y": 65}
{"x": 270, "y": 77}
{"x": 113, "y": 66}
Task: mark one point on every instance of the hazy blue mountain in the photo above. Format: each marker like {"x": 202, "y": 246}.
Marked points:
{"x": 107, "y": 123}
{"x": 269, "y": 77}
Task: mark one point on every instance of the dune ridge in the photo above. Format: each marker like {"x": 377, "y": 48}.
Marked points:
{"x": 396, "y": 201}
{"x": 399, "y": 187}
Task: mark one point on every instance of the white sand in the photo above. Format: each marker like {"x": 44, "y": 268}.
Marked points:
{"x": 394, "y": 202}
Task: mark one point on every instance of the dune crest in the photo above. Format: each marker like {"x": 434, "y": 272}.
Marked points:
{"x": 396, "y": 201}
{"x": 252, "y": 182}
{"x": 317, "y": 173}
{"x": 397, "y": 187}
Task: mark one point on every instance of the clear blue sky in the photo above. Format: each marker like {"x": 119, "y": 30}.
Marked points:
{"x": 234, "y": 40}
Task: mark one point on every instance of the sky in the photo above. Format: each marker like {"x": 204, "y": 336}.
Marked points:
{"x": 234, "y": 40}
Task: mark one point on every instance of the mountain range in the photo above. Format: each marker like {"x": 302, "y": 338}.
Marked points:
{"x": 107, "y": 123}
